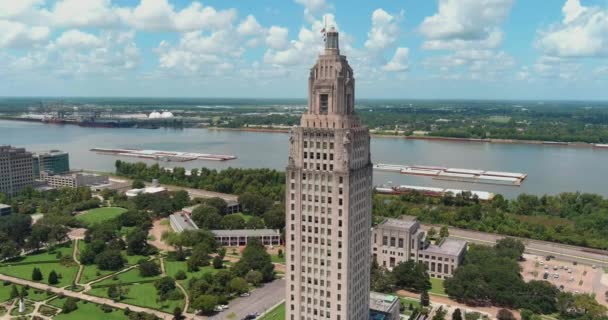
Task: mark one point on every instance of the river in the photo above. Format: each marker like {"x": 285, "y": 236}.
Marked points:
{"x": 550, "y": 169}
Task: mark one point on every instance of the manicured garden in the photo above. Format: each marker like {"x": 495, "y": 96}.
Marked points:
{"x": 131, "y": 276}
{"x": 277, "y": 313}
{"x": 172, "y": 267}
{"x": 143, "y": 295}
{"x": 87, "y": 310}
{"x": 98, "y": 215}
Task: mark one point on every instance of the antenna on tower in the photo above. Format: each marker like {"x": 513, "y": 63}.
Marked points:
{"x": 324, "y": 30}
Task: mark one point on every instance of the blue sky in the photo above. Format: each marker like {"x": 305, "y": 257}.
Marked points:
{"x": 429, "y": 49}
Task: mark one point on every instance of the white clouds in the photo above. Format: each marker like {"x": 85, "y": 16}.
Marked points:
{"x": 78, "y": 13}
{"x": 16, "y": 34}
{"x": 250, "y": 27}
{"x": 10, "y": 9}
{"x": 465, "y": 19}
{"x": 399, "y": 62}
{"x": 160, "y": 15}
{"x": 582, "y": 33}
{"x": 277, "y": 37}
{"x": 384, "y": 31}
{"x": 313, "y": 6}
{"x": 77, "y": 39}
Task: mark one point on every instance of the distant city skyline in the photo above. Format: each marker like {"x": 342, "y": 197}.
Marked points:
{"x": 443, "y": 49}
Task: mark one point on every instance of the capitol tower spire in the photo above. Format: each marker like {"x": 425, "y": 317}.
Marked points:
{"x": 329, "y": 198}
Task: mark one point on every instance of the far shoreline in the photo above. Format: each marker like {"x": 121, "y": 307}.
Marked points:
{"x": 439, "y": 138}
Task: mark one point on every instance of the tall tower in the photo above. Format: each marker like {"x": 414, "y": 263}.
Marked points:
{"x": 328, "y": 199}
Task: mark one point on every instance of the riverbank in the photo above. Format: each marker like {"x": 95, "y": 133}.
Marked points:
{"x": 448, "y": 139}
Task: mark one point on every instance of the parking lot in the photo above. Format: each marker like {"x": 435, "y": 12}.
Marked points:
{"x": 260, "y": 300}
{"x": 567, "y": 276}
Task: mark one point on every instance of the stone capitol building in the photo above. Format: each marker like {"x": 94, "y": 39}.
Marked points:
{"x": 329, "y": 199}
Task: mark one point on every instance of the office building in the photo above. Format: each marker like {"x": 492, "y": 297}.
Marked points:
{"x": 16, "y": 170}
{"x": 53, "y": 162}
{"x": 328, "y": 199}
{"x": 73, "y": 179}
{"x": 400, "y": 240}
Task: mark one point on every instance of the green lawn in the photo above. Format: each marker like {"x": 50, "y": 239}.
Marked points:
{"x": 406, "y": 301}
{"x": 437, "y": 287}
{"x": 277, "y": 313}
{"x": 172, "y": 267}
{"x": 245, "y": 217}
{"x": 33, "y": 294}
{"x": 89, "y": 311}
{"x": 90, "y": 273}
{"x": 66, "y": 249}
{"x": 275, "y": 258}
{"x": 143, "y": 295}
{"x": 67, "y": 273}
{"x": 98, "y": 215}
{"x": 131, "y": 276}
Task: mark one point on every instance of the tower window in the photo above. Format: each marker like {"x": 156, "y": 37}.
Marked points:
{"x": 323, "y": 103}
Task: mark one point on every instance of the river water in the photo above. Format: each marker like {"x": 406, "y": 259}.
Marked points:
{"x": 550, "y": 169}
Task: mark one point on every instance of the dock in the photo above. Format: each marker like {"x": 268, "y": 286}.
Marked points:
{"x": 176, "y": 156}
{"x": 456, "y": 174}
{"x": 433, "y": 192}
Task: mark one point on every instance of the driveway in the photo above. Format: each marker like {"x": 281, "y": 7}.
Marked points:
{"x": 259, "y": 301}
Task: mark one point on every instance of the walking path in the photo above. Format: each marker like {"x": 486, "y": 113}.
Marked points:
{"x": 83, "y": 296}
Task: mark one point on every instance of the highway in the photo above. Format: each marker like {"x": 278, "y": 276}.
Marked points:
{"x": 543, "y": 248}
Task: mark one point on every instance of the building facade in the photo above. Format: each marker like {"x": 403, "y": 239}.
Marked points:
{"x": 73, "y": 179}
{"x": 53, "y": 162}
{"x": 328, "y": 199}
{"x": 16, "y": 171}
{"x": 240, "y": 237}
{"x": 399, "y": 240}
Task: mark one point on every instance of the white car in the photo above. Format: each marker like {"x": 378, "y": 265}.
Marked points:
{"x": 224, "y": 306}
{"x": 245, "y": 294}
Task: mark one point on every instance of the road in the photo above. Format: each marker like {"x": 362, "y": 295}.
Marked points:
{"x": 543, "y": 248}
{"x": 260, "y": 300}
{"x": 82, "y": 296}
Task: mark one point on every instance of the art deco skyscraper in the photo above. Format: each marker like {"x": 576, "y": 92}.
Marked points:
{"x": 328, "y": 199}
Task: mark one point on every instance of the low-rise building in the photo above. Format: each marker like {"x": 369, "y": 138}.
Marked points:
{"x": 73, "y": 179}
{"x": 233, "y": 238}
{"x": 400, "y": 240}
{"x": 383, "y": 306}
{"x": 151, "y": 190}
{"x": 5, "y": 209}
{"x": 181, "y": 221}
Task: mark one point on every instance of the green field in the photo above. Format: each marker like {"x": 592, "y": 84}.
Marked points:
{"x": 437, "y": 287}
{"x": 98, "y": 215}
{"x": 66, "y": 249}
{"x": 406, "y": 301}
{"x": 89, "y": 311}
{"x": 172, "y": 267}
{"x": 131, "y": 276}
{"x": 90, "y": 273}
{"x": 275, "y": 258}
{"x": 277, "y": 313}
{"x": 143, "y": 295}
{"x": 245, "y": 217}
{"x": 33, "y": 294}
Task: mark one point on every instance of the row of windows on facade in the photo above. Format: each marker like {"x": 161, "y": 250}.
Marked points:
{"x": 317, "y": 188}
{"x": 318, "y": 145}
{"x": 315, "y": 177}
{"x": 317, "y": 134}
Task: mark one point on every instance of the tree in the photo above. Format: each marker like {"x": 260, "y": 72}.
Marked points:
{"x": 457, "y": 315}
{"x": 115, "y": 292}
{"x": 53, "y": 279}
{"x": 254, "y": 223}
{"x": 432, "y": 232}
{"x": 180, "y": 199}
{"x": 180, "y": 275}
{"x": 510, "y": 248}
{"x": 149, "y": 269}
{"x": 238, "y": 285}
{"x": 275, "y": 217}
{"x": 425, "y": 300}
{"x": 137, "y": 242}
{"x": 164, "y": 286}
{"x": 218, "y": 203}
{"x": 36, "y": 274}
{"x": 14, "y": 292}
{"x": 444, "y": 232}
{"x": 254, "y": 277}
{"x": 255, "y": 257}
{"x": 205, "y": 303}
{"x": 411, "y": 275}
{"x": 217, "y": 262}
{"x": 254, "y": 204}
{"x": 207, "y": 217}
{"x": 440, "y": 314}
{"x": 177, "y": 313}
{"x": 69, "y": 305}
{"x": 504, "y": 314}
{"x": 138, "y": 184}
{"x": 233, "y": 222}
{"x": 110, "y": 260}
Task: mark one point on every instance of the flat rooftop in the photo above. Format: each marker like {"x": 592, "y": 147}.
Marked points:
{"x": 3, "y": 206}
{"x": 246, "y": 233}
{"x": 450, "y": 246}
{"x": 184, "y": 221}
{"x": 405, "y": 223}
{"x": 382, "y": 302}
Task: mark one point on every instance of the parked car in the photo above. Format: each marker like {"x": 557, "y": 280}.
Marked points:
{"x": 245, "y": 294}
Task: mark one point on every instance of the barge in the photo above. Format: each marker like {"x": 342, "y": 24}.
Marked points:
{"x": 164, "y": 155}
{"x": 457, "y": 174}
